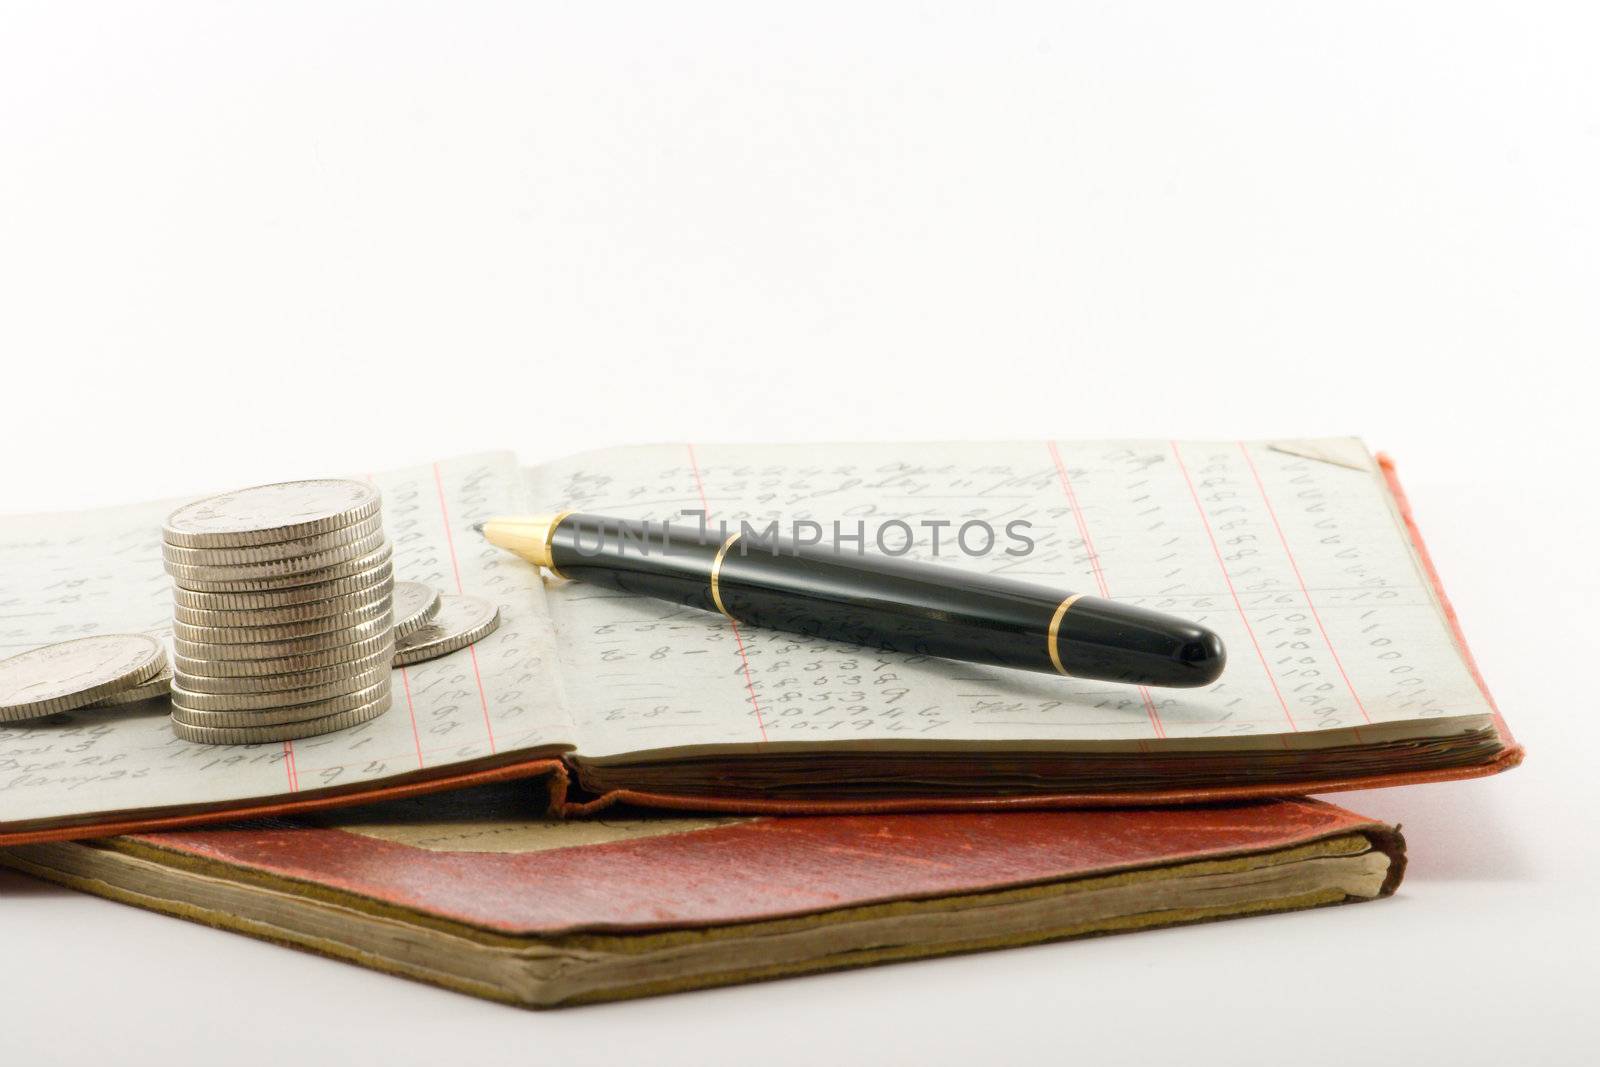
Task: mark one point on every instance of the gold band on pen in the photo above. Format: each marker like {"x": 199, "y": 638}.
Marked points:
{"x": 549, "y": 538}
{"x": 716, "y": 571}
{"x": 1053, "y": 640}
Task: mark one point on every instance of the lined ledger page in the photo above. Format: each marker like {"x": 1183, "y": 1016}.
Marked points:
{"x": 70, "y": 575}
{"x": 1291, "y": 551}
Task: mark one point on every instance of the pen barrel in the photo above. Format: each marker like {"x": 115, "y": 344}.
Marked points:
{"x": 884, "y": 602}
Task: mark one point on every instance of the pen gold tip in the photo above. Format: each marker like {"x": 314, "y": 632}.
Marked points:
{"x": 528, "y": 536}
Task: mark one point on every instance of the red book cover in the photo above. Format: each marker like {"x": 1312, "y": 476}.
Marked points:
{"x": 481, "y": 893}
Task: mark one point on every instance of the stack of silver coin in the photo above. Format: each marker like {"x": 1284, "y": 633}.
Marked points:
{"x": 284, "y": 624}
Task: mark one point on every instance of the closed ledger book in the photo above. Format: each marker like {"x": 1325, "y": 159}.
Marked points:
{"x": 477, "y": 892}
{"x": 1345, "y": 665}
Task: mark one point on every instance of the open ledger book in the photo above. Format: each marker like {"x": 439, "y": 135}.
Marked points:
{"x": 1345, "y": 666}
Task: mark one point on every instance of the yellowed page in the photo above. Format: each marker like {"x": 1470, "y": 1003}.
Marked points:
{"x": 1290, "y": 550}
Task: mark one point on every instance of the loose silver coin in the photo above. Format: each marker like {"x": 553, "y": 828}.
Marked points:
{"x": 262, "y": 514}
{"x": 70, "y": 674}
{"x": 461, "y": 621}
{"x": 414, "y": 605}
{"x": 157, "y": 688}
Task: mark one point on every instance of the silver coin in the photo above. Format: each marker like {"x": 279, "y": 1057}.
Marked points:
{"x": 345, "y": 569}
{"x": 414, "y": 605}
{"x": 284, "y": 664}
{"x": 367, "y": 583}
{"x": 313, "y": 644}
{"x": 262, "y": 700}
{"x": 317, "y": 709}
{"x": 292, "y": 678}
{"x": 245, "y": 632}
{"x": 254, "y": 735}
{"x": 461, "y": 621}
{"x": 262, "y": 514}
{"x": 70, "y": 674}
{"x": 246, "y": 554}
{"x": 292, "y": 567}
{"x": 156, "y": 688}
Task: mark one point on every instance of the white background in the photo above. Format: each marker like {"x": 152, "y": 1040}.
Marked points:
{"x": 241, "y": 243}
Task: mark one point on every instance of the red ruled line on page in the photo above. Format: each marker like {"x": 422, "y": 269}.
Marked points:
{"x": 1300, "y": 580}
{"x": 411, "y": 708}
{"x": 455, "y": 565}
{"x": 449, "y": 538}
{"x": 1228, "y": 578}
{"x": 416, "y": 735}
{"x": 289, "y": 767}
{"x": 1099, "y": 571}
{"x": 744, "y": 658}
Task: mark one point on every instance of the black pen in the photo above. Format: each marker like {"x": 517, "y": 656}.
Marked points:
{"x": 870, "y": 600}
